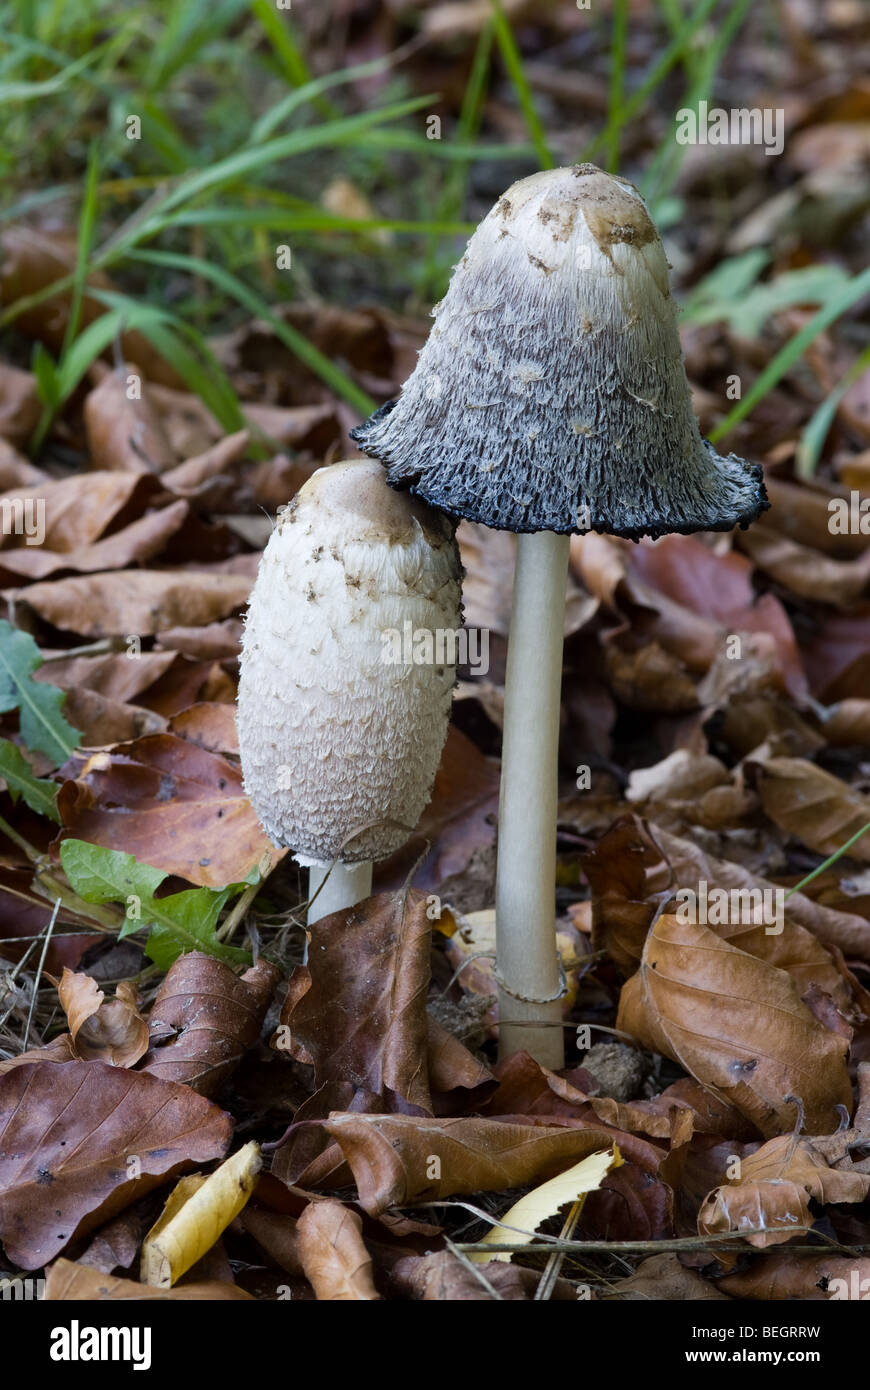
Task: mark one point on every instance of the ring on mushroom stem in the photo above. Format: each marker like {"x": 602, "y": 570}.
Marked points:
{"x": 551, "y": 399}
{"x": 340, "y": 744}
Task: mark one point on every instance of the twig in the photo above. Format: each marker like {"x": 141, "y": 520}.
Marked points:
{"x": 39, "y": 974}
{"x": 228, "y": 926}
{"x": 473, "y": 1269}
{"x": 554, "y": 1264}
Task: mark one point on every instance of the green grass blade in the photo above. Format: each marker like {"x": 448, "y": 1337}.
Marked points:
{"x": 272, "y": 118}
{"x": 328, "y": 372}
{"x": 248, "y": 158}
{"x": 617, "y": 84}
{"x": 793, "y": 350}
{"x": 832, "y": 859}
{"x": 513, "y": 62}
{"x": 674, "y": 52}
{"x": 283, "y": 42}
{"x": 87, "y": 224}
{"x": 37, "y": 91}
{"x": 816, "y": 431}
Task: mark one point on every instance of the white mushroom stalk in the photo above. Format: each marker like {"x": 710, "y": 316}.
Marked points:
{"x": 530, "y": 1009}
{"x": 340, "y": 739}
{"x": 551, "y": 399}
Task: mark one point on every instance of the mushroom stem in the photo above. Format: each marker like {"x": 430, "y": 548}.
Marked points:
{"x": 528, "y": 961}
{"x": 346, "y": 885}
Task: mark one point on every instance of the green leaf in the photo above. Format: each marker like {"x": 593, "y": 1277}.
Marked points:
{"x": 42, "y": 725}
{"x": 39, "y": 793}
{"x": 187, "y": 923}
{"x": 182, "y": 922}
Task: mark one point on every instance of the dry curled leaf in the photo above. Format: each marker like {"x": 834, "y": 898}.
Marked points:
{"x": 813, "y": 805}
{"x": 520, "y": 1222}
{"x": 205, "y": 1018}
{"x": 738, "y": 1025}
{"x": 398, "y": 1159}
{"x": 105, "y": 1030}
{"x": 333, "y": 1254}
{"x": 194, "y": 1216}
{"x": 774, "y": 1189}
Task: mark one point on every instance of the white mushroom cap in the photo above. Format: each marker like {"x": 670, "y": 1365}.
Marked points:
{"x": 551, "y": 393}
{"x": 339, "y": 744}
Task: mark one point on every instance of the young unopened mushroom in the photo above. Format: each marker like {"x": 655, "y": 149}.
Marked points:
{"x": 339, "y": 740}
{"x": 551, "y": 398}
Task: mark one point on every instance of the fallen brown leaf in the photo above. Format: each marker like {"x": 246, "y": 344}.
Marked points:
{"x": 443, "y": 1277}
{"x": 31, "y": 261}
{"x": 357, "y": 1011}
{"x": 124, "y": 431}
{"x": 333, "y": 1254}
{"x": 97, "y": 1137}
{"x": 170, "y": 804}
{"x": 204, "y": 1019}
{"x": 399, "y": 1159}
{"x": 136, "y": 601}
{"x": 811, "y": 804}
{"x": 804, "y": 571}
{"x": 103, "y": 1030}
{"x": 807, "y": 1277}
{"x": 737, "y": 1024}
{"x": 20, "y": 406}
{"x": 78, "y": 1283}
{"x": 663, "y": 1278}
{"x": 775, "y": 1187}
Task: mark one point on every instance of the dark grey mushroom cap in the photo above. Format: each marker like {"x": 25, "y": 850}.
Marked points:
{"x": 551, "y": 393}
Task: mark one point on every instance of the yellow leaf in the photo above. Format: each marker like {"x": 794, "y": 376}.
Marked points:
{"x": 197, "y": 1212}
{"x": 543, "y": 1202}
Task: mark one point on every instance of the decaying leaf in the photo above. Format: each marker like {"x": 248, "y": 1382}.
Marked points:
{"x": 398, "y": 1159}
{"x": 738, "y": 1025}
{"x": 169, "y": 804}
{"x": 141, "y": 601}
{"x": 808, "y": 802}
{"x": 775, "y": 1187}
{"x": 445, "y": 1278}
{"x": 786, "y": 1276}
{"x": 663, "y": 1277}
{"x": 205, "y": 1018}
{"x": 124, "y": 430}
{"x": 78, "y": 1283}
{"x": 333, "y": 1254}
{"x": 357, "y": 1011}
{"x": 107, "y": 1030}
{"x": 194, "y": 1216}
{"x": 519, "y": 1223}
{"x": 96, "y": 1137}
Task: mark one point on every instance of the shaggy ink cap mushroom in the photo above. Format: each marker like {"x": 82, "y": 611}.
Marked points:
{"x": 340, "y": 745}
{"x": 551, "y": 393}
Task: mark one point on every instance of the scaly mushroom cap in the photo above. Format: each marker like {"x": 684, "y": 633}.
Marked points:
{"x": 551, "y": 393}
{"x": 339, "y": 743}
